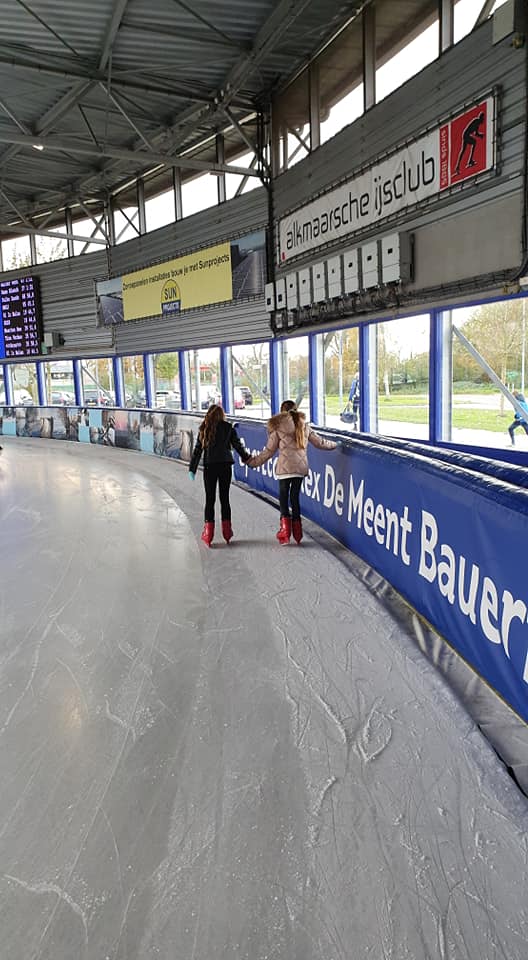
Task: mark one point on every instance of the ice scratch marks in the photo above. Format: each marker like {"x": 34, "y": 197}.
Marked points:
{"x": 315, "y": 828}
{"x": 374, "y": 736}
{"x": 43, "y": 887}
{"x": 336, "y": 721}
{"x": 34, "y": 668}
{"x": 76, "y": 682}
{"x": 117, "y": 720}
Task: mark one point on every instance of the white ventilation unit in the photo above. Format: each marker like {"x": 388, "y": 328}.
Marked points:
{"x": 269, "y": 297}
{"x": 396, "y": 258}
{"x": 351, "y": 271}
{"x": 334, "y": 272}
{"x": 370, "y": 265}
{"x": 53, "y": 339}
{"x": 280, "y": 294}
{"x": 305, "y": 288}
{"x": 319, "y": 282}
{"x": 292, "y": 296}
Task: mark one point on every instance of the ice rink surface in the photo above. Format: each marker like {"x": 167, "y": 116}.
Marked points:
{"x": 226, "y": 754}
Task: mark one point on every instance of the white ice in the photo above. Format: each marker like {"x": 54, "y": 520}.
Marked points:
{"x": 231, "y": 753}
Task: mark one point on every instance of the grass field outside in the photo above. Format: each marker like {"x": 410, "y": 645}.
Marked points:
{"x": 414, "y": 408}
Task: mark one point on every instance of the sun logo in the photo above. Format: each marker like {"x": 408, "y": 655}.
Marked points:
{"x": 170, "y": 298}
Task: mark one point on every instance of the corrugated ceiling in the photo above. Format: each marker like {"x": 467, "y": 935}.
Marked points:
{"x": 111, "y": 88}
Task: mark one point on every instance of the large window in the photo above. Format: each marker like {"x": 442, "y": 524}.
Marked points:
{"x": 403, "y": 377}
{"x": 200, "y": 193}
{"x": 24, "y": 380}
{"x": 204, "y": 367}
{"x": 58, "y": 378}
{"x": 167, "y": 390}
{"x": 341, "y": 377}
{"x": 160, "y": 210}
{"x": 134, "y": 381}
{"x": 481, "y": 413}
{"x": 295, "y": 373}
{"x": 251, "y": 380}
{"x": 98, "y": 382}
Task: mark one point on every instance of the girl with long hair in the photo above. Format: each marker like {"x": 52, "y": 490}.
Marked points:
{"x": 216, "y": 438}
{"x": 290, "y": 434}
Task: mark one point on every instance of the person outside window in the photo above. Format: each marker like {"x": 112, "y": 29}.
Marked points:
{"x": 518, "y": 420}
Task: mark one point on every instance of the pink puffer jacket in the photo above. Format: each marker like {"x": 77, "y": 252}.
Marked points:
{"x": 292, "y": 461}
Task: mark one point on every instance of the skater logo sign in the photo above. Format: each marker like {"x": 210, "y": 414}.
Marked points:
{"x": 444, "y": 156}
{"x": 465, "y": 145}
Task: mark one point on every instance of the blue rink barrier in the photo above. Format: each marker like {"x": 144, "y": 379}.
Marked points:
{"x": 448, "y": 531}
{"x": 451, "y": 541}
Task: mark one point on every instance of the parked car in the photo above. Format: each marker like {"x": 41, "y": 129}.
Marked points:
{"x": 168, "y": 398}
{"x": 62, "y": 398}
{"x": 248, "y": 396}
{"x": 238, "y": 398}
{"x": 96, "y": 398}
{"x": 136, "y": 399}
{"x": 22, "y": 398}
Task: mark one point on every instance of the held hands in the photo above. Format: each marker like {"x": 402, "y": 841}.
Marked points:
{"x": 191, "y": 475}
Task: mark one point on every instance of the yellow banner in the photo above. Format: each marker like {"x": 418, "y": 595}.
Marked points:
{"x": 196, "y": 280}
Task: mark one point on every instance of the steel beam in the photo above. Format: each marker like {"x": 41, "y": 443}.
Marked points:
{"x": 314, "y": 94}
{"x": 446, "y": 21}
{"x": 138, "y": 157}
{"x": 369, "y": 56}
{"x": 489, "y": 371}
{"x": 7, "y": 228}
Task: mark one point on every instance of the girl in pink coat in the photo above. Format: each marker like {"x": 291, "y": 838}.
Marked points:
{"x": 289, "y": 433}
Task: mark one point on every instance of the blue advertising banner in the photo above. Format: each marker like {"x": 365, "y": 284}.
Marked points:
{"x": 451, "y": 542}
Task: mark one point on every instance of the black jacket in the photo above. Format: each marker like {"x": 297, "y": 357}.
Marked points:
{"x": 219, "y": 451}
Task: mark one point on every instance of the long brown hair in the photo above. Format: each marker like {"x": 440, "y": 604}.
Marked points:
{"x": 207, "y": 431}
{"x": 289, "y": 406}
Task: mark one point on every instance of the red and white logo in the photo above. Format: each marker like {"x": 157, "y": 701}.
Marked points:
{"x": 466, "y": 144}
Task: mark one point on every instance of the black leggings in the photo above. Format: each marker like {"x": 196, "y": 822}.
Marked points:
{"x": 289, "y": 490}
{"x": 217, "y": 473}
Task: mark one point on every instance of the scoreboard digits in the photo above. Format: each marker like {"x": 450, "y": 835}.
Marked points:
{"x": 21, "y": 317}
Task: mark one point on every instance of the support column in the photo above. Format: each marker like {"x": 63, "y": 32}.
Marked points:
{"x": 275, "y": 143}
{"x": 150, "y": 386}
{"x": 226, "y": 378}
{"x": 275, "y": 375}
{"x": 185, "y": 380}
{"x": 77, "y": 383}
{"x": 110, "y": 223}
{"x": 33, "y": 249}
{"x": 42, "y": 391}
{"x": 446, "y": 23}
{"x": 314, "y": 94}
{"x": 440, "y": 376}
{"x": 368, "y": 363}
{"x": 142, "y": 214}
{"x": 69, "y": 230}
{"x": 316, "y": 377}
{"x": 177, "y": 190}
{"x": 284, "y": 146}
{"x": 8, "y": 385}
{"x": 119, "y": 384}
{"x": 369, "y": 57}
{"x": 220, "y": 158}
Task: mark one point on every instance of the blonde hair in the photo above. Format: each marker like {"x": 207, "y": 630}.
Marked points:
{"x": 289, "y": 406}
{"x": 207, "y": 431}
